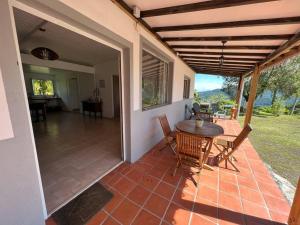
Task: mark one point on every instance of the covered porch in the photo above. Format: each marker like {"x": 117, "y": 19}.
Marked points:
{"x": 145, "y": 192}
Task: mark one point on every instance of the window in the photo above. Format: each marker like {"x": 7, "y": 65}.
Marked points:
{"x": 42, "y": 87}
{"x": 186, "y": 88}
{"x": 155, "y": 81}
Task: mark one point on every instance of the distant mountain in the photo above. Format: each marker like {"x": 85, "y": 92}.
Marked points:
{"x": 206, "y": 94}
{"x": 263, "y": 100}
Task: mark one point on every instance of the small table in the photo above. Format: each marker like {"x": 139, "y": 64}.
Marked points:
{"x": 91, "y": 106}
{"x": 208, "y": 131}
{"x": 37, "y": 106}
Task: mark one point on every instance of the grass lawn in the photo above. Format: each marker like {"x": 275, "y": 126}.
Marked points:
{"x": 277, "y": 140}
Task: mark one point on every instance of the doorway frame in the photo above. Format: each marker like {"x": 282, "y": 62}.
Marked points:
{"x": 122, "y": 53}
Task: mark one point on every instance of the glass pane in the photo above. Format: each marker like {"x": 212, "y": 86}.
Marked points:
{"x": 154, "y": 80}
{"x": 42, "y": 87}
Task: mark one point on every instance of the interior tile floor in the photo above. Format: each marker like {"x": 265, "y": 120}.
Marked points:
{"x": 146, "y": 193}
{"x": 73, "y": 151}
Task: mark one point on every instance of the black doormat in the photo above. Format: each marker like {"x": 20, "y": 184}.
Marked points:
{"x": 84, "y": 206}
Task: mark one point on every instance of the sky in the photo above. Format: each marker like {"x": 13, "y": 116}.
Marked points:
{"x": 204, "y": 82}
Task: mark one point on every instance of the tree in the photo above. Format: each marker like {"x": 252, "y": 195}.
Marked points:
{"x": 197, "y": 97}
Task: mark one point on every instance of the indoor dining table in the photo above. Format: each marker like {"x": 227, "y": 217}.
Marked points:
{"x": 208, "y": 131}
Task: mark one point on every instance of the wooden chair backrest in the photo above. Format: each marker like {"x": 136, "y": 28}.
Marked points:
{"x": 189, "y": 144}
{"x": 165, "y": 125}
{"x": 205, "y": 116}
{"x": 242, "y": 136}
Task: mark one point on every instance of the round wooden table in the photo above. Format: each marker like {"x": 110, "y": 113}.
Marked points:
{"x": 208, "y": 131}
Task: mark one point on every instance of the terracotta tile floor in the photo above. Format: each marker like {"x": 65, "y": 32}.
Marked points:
{"x": 145, "y": 192}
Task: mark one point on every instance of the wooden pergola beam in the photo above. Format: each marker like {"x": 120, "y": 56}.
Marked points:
{"x": 239, "y": 94}
{"x": 245, "y": 47}
{"x": 219, "y": 72}
{"x": 200, "y": 6}
{"x": 218, "y": 66}
{"x": 224, "y": 53}
{"x": 232, "y": 38}
{"x": 235, "y": 24}
{"x": 291, "y": 43}
{"x": 294, "y": 217}
{"x": 185, "y": 57}
{"x": 252, "y": 95}
{"x": 219, "y": 69}
{"x": 217, "y": 61}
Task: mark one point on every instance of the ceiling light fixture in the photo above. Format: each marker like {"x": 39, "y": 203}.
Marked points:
{"x": 44, "y": 53}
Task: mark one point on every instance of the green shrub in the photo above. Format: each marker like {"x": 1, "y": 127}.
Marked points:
{"x": 278, "y": 107}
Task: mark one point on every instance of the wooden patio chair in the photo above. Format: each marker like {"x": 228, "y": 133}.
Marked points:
{"x": 206, "y": 116}
{"x": 169, "y": 135}
{"x": 229, "y": 147}
{"x": 189, "y": 150}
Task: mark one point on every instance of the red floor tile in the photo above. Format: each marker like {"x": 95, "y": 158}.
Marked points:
{"x": 188, "y": 184}
{"x": 114, "y": 202}
{"x": 177, "y": 215}
{"x": 124, "y": 186}
{"x": 139, "y": 195}
{"x": 229, "y": 188}
{"x": 134, "y": 175}
{"x": 149, "y": 182}
{"x": 230, "y": 202}
{"x": 183, "y": 199}
{"x": 170, "y": 179}
{"x": 157, "y": 205}
{"x": 165, "y": 190}
{"x": 248, "y": 182}
{"x": 110, "y": 221}
{"x": 277, "y": 205}
{"x": 251, "y": 195}
{"x": 206, "y": 209}
{"x": 208, "y": 193}
{"x": 145, "y": 218}
{"x": 230, "y": 217}
{"x": 125, "y": 212}
{"x": 98, "y": 218}
{"x": 197, "y": 220}
{"x": 211, "y": 181}
{"x": 256, "y": 210}
{"x": 228, "y": 177}
{"x": 279, "y": 217}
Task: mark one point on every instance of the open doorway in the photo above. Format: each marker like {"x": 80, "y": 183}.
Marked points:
{"x": 71, "y": 85}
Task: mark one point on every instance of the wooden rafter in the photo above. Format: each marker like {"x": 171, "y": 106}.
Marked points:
{"x": 216, "y": 65}
{"x": 225, "y": 53}
{"x": 185, "y": 57}
{"x": 248, "y": 47}
{"x": 217, "y": 62}
{"x": 232, "y": 38}
{"x": 234, "y": 24}
{"x": 218, "y": 72}
{"x": 199, "y": 6}
{"x": 218, "y": 68}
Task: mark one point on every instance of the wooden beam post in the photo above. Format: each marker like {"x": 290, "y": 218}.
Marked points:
{"x": 252, "y": 95}
{"x": 294, "y": 217}
{"x": 238, "y": 98}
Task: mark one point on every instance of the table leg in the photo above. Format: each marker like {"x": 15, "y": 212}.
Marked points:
{"x": 206, "y": 154}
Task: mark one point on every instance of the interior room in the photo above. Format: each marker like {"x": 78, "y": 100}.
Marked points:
{"x": 73, "y": 88}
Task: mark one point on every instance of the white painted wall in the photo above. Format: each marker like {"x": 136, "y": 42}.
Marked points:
{"x": 21, "y": 198}
{"x": 86, "y": 85}
{"x": 105, "y": 71}
{"x": 20, "y": 190}
{"x": 111, "y": 17}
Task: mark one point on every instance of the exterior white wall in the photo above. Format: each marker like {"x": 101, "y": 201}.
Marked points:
{"x": 21, "y": 201}
{"x": 113, "y": 18}
{"x": 20, "y": 190}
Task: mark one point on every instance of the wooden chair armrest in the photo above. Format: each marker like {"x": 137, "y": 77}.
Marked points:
{"x": 228, "y": 135}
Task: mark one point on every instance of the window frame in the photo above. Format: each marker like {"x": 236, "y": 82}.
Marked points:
{"x": 44, "y": 79}
{"x": 186, "y": 92}
{"x": 169, "y": 78}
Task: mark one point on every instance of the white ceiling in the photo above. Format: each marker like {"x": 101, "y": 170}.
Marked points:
{"x": 70, "y": 46}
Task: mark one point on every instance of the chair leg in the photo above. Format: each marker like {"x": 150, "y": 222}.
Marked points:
{"x": 178, "y": 164}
